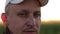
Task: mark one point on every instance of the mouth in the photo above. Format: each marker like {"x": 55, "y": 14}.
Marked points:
{"x": 30, "y": 31}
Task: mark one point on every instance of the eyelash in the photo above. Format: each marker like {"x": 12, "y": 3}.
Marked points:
{"x": 21, "y": 14}
{"x": 26, "y": 15}
{"x": 37, "y": 15}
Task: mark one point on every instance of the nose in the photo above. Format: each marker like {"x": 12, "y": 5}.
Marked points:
{"x": 31, "y": 22}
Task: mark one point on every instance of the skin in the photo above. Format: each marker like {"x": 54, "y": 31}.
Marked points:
{"x": 23, "y": 18}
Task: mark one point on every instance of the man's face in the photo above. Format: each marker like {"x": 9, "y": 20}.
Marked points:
{"x": 24, "y": 18}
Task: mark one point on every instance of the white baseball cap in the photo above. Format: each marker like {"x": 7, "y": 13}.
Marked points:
{"x": 42, "y": 2}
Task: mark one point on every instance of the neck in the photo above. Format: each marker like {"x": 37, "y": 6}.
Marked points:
{"x": 7, "y": 31}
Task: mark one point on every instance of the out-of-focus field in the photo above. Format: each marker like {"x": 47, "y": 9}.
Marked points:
{"x": 47, "y": 27}
{"x": 2, "y": 28}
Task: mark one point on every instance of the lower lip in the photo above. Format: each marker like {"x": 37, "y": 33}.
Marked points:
{"x": 30, "y": 32}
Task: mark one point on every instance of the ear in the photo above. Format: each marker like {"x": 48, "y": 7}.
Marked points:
{"x": 4, "y": 17}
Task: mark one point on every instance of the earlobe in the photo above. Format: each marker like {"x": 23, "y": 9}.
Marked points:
{"x": 3, "y": 17}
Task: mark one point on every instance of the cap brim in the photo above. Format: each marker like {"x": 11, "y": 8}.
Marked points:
{"x": 16, "y": 1}
{"x": 43, "y": 2}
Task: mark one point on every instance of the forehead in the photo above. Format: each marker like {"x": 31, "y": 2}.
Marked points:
{"x": 27, "y": 5}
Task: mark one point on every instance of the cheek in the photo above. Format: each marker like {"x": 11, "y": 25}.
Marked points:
{"x": 16, "y": 24}
{"x": 38, "y": 21}
{"x": 39, "y": 25}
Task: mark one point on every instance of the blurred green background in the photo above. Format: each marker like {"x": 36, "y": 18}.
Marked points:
{"x": 53, "y": 27}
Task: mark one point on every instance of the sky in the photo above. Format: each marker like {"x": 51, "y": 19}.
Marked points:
{"x": 49, "y": 12}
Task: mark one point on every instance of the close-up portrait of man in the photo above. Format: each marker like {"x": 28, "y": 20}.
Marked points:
{"x": 23, "y": 16}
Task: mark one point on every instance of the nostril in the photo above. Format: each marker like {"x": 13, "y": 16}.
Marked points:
{"x": 30, "y": 26}
{"x": 30, "y": 22}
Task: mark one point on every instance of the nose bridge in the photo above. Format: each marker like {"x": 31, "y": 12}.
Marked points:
{"x": 31, "y": 20}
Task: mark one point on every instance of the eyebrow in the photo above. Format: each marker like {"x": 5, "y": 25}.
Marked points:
{"x": 27, "y": 11}
{"x": 23, "y": 11}
{"x": 38, "y": 12}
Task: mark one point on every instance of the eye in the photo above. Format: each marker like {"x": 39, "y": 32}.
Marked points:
{"x": 22, "y": 14}
{"x": 37, "y": 14}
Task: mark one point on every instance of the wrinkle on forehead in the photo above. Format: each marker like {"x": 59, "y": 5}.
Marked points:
{"x": 26, "y": 4}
